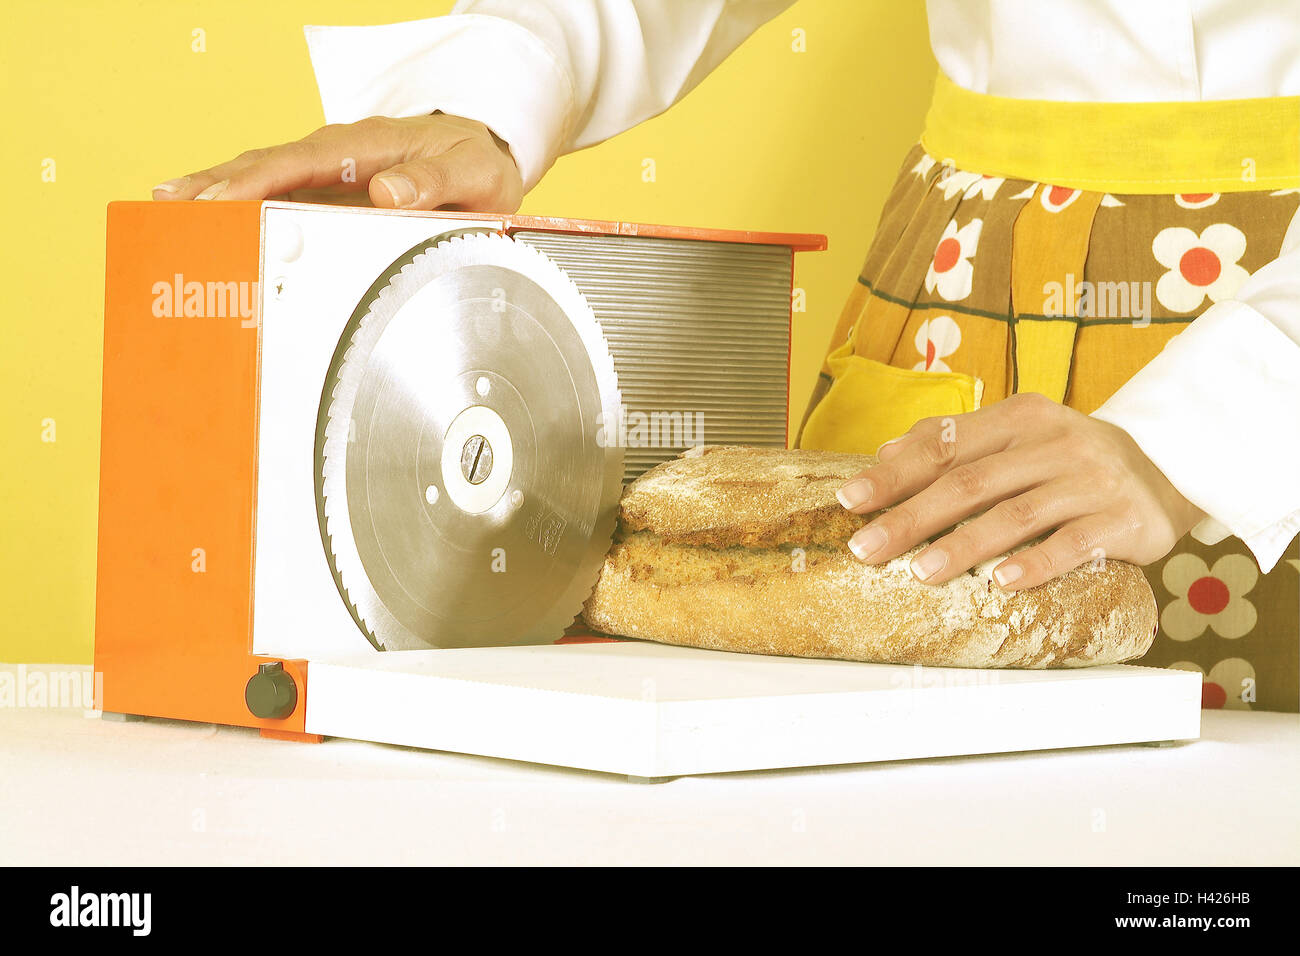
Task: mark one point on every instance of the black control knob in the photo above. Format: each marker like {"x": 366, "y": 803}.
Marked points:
{"x": 271, "y": 693}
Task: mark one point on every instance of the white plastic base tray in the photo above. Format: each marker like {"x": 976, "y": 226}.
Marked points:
{"x": 650, "y": 710}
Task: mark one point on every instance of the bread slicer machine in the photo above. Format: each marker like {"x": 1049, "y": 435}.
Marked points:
{"x": 359, "y": 469}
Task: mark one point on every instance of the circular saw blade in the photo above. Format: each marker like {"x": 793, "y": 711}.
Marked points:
{"x": 464, "y": 492}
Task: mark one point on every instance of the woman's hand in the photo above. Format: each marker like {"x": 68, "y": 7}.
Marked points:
{"x": 1033, "y": 466}
{"x": 424, "y": 162}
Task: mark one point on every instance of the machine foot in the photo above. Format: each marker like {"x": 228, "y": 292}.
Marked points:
{"x": 632, "y": 779}
{"x": 121, "y": 718}
{"x": 1160, "y": 743}
{"x": 295, "y": 736}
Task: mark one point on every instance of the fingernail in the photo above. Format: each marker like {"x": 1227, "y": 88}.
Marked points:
{"x": 172, "y": 185}
{"x": 399, "y": 187}
{"x": 868, "y": 541}
{"x": 856, "y": 493}
{"x": 886, "y": 444}
{"x": 929, "y": 563}
{"x": 213, "y": 191}
{"x": 1008, "y": 574}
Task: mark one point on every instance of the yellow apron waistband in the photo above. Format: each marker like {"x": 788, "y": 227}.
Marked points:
{"x": 1172, "y": 147}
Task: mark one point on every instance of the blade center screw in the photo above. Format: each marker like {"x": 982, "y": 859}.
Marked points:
{"x": 476, "y": 459}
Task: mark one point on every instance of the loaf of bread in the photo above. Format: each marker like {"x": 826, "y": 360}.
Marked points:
{"x": 745, "y": 549}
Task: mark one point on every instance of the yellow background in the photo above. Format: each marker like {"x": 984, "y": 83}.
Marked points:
{"x": 113, "y": 94}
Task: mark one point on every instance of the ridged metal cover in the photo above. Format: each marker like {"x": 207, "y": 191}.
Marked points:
{"x": 695, "y": 328}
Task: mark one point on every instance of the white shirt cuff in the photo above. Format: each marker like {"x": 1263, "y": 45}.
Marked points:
{"x": 480, "y": 67}
{"x": 1218, "y": 411}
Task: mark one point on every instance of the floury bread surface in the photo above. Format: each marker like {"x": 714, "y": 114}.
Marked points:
{"x": 745, "y": 549}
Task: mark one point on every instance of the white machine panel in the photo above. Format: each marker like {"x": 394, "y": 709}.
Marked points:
{"x": 317, "y": 263}
{"x": 651, "y": 710}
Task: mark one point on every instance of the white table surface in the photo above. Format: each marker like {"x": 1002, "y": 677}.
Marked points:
{"x": 76, "y": 790}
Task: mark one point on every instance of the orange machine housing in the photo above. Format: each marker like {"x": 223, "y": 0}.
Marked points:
{"x": 178, "y": 459}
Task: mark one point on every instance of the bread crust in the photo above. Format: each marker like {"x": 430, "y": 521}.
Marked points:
{"x": 744, "y": 549}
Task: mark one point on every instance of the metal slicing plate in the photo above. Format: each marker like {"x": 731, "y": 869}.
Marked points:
{"x": 434, "y": 539}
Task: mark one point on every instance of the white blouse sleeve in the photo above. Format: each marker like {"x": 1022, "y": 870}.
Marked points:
{"x": 1218, "y": 410}
{"x": 547, "y": 76}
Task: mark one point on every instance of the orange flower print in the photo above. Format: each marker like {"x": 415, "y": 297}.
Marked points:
{"x": 1199, "y": 266}
{"x": 936, "y": 339}
{"x": 1209, "y": 597}
{"x": 957, "y": 181}
{"x": 950, "y": 270}
{"x": 985, "y": 187}
{"x": 1196, "y": 200}
{"x": 1230, "y": 684}
{"x": 1056, "y": 198}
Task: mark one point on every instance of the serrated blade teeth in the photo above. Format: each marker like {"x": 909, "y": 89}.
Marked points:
{"x": 477, "y": 334}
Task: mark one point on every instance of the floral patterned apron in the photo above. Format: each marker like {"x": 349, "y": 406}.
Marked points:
{"x": 979, "y": 285}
